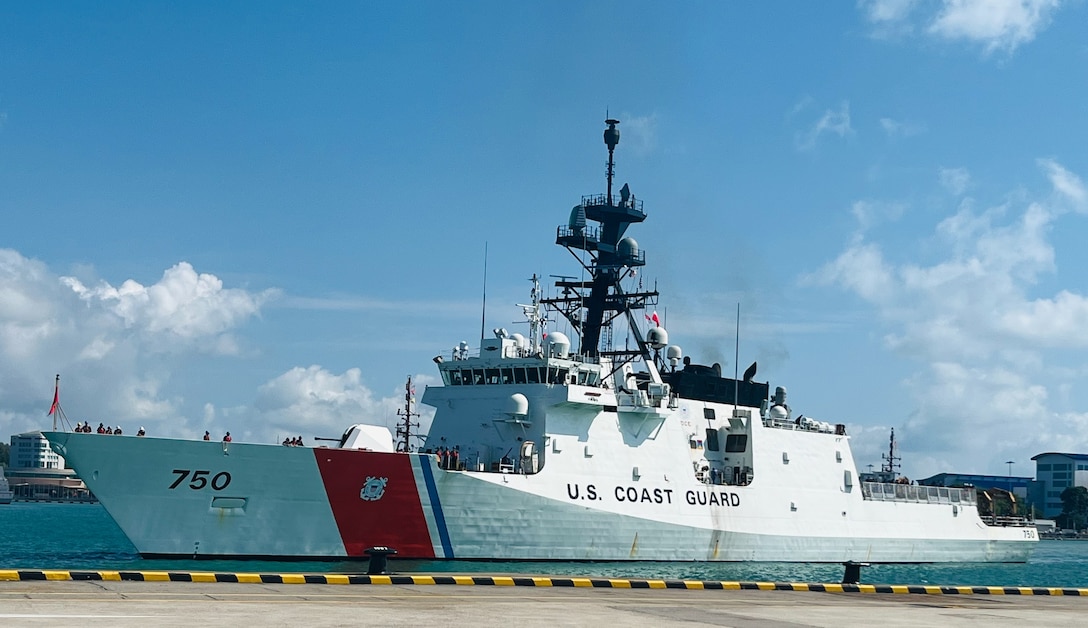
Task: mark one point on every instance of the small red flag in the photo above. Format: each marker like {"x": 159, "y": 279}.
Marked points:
{"x": 56, "y": 401}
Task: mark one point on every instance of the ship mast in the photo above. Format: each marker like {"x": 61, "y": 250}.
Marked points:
{"x": 592, "y": 305}
{"x": 891, "y": 460}
{"x": 405, "y": 415}
{"x": 55, "y": 410}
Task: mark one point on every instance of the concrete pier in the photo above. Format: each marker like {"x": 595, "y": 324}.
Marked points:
{"x": 115, "y": 603}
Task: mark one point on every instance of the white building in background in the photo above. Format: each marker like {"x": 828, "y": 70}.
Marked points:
{"x": 1055, "y": 472}
{"x": 31, "y": 450}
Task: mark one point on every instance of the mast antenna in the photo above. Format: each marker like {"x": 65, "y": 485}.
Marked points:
{"x": 611, "y": 138}
{"x": 483, "y": 307}
{"x": 891, "y": 460}
{"x": 405, "y": 415}
{"x": 736, "y": 365}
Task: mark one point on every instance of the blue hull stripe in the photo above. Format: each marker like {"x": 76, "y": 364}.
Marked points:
{"x": 436, "y": 506}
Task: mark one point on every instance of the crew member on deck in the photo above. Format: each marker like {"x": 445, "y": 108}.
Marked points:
{"x": 226, "y": 438}
{"x": 207, "y": 435}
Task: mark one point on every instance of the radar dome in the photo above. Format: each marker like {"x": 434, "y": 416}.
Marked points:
{"x": 674, "y": 353}
{"x": 517, "y": 405}
{"x": 558, "y": 344}
{"x": 628, "y": 247}
{"x": 657, "y": 337}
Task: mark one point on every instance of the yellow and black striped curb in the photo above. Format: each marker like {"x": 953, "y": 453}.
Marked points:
{"x": 524, "y": 581}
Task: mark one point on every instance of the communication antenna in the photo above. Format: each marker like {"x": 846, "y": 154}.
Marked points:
{"x": 891, "y": 460}
{"x": 736, "y": 365}
{"x": 483, "y": 308}
{"x": 611, "y": 138}
{"x": 405, "y": 415}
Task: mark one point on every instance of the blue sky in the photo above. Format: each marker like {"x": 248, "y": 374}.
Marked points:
{"x": 262, "y": 218}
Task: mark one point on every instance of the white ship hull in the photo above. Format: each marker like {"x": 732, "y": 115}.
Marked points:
{"x": 305, "y": 503}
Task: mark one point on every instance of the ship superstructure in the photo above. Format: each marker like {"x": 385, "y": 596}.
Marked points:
{"x": 549, "y": 446}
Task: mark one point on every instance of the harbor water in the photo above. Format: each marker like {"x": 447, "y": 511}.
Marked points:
{"x": 83, "y": 536}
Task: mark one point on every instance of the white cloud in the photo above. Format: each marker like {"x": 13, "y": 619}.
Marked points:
{"x": 831, "y": 122}
{"x": 973, "y": 317}
{"x": 889, "y": 19}
{"x": 901, "y": 128}
{"x": 116, "y": 348}
{"x": 639, "y": 133}
{"x": 955, "y": 180}
{"x": 995, "y": 24}
{"x": 887, "y": 10}
{"x": 870, "y": 213}
{"x": 183, "y": 304}
{"x": 319, "y": 401}
{"x": 1066, "y": 184}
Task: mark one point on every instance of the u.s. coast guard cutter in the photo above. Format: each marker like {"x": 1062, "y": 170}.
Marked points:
{"x": 540, "y": 451}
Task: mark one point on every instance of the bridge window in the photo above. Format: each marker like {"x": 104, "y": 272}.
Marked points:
{"x": 534, "y": 375}
{"x": 508, "y": 376}
{"x": 736, "y": 443}
{"x": 454, "y": 377}
{"x": 519, "y": 376}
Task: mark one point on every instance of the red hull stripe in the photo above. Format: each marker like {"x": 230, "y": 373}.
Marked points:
{"x": 375, "y": 502}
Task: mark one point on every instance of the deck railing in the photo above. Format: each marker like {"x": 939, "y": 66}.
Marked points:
{"x": 913, "y": 493}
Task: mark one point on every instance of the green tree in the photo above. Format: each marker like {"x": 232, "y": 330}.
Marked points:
{"x": 5, "y": 454}
{"x": 1074, "y": 508}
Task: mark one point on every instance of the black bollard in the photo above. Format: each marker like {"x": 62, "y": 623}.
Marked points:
{"x": 378, "y": 557}
{"x": 853, "y": 572}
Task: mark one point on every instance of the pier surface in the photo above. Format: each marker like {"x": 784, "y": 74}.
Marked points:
{"x": 117, "y": 603}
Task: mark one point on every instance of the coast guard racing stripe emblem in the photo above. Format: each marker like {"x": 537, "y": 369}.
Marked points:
{"x": 373, "y": 489}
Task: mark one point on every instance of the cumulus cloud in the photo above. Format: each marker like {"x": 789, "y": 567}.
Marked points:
{"x": 183, "y": 305}
{"x": 324, "y": 402}
{"x": 116, "y": 347}
{"x": 832, "y": 122}
{"x": 974, "y": 317}
{"x": 995, "y": 25}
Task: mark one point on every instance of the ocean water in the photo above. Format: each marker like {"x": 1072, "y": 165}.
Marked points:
{"x": 83, "y": 536}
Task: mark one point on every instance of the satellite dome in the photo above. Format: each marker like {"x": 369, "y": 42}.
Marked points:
{"x": 558, "y": 344}
{"x": 657, "y": 337}
{"x": 517, "y": 405}
{"x": 628, "y": 247}
{"x": 674, "y": 352}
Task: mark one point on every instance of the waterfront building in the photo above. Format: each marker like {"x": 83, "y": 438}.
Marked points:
{"x": 37, "y": 473}
{"x": 1054, "y": 473}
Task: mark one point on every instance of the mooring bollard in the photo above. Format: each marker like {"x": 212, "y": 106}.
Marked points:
{"x": 853, "y": 572}
{"x": 378, "y": 558}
